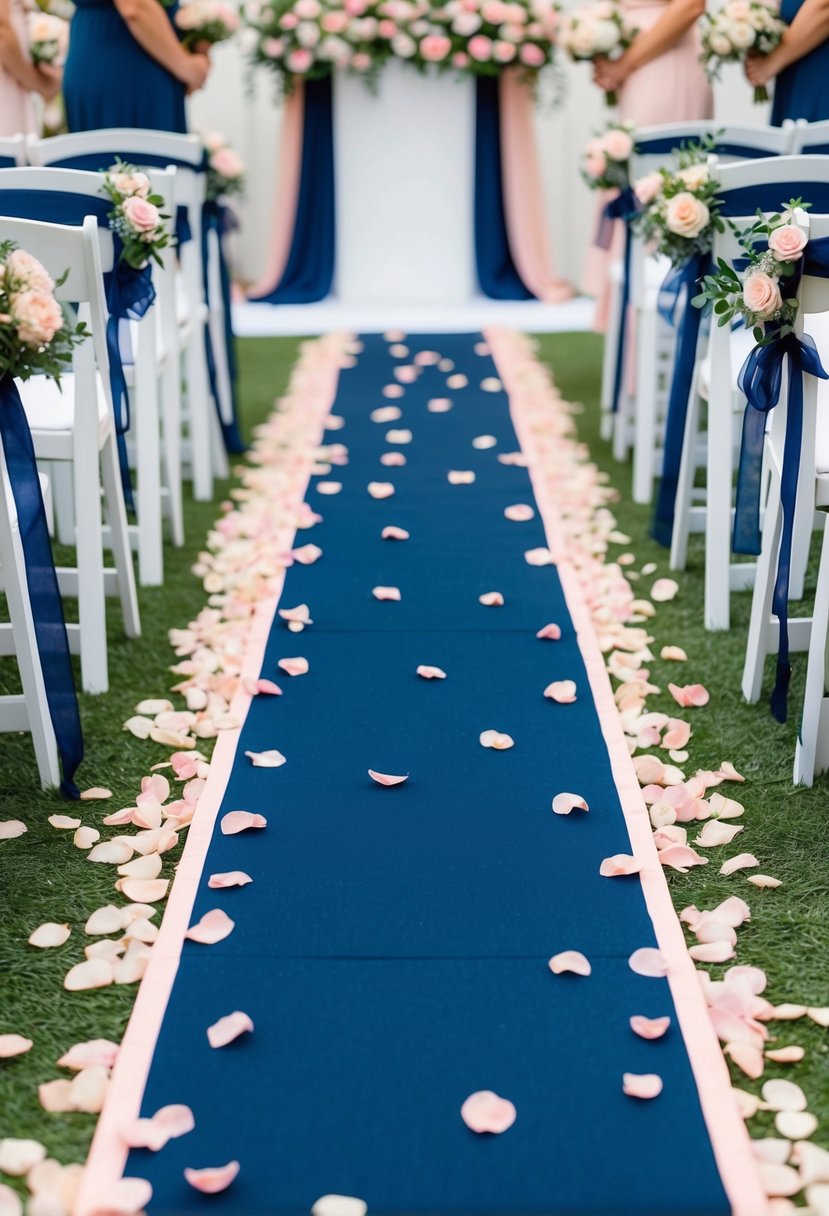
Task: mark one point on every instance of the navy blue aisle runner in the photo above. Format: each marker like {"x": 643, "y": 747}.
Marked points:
{"x": 392, "y": 948}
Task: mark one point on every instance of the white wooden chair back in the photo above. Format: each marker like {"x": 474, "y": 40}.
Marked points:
{"x": 810, "y": 137}
{"x": 12, "y": 151}
{"x": 746, "y": 141}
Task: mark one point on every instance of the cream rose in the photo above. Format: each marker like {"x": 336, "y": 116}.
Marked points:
{"x": 617, "y": 144}
{"x": 648, "y": 187}
{"x": 28, "y": 271}
{"x": 741, "y": 34}
{"x": 685, "y": 215}
{"x": 38, "y": 317}
{"x": 694, "y": 177}
{"x": 787, "y": 243}
{"x": 720, "y": 44}
{"x": 131, "y": 183}
{"x": 140, "y": 215}
{"x": 761, "y": 294}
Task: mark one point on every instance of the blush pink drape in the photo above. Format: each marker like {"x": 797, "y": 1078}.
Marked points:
{"x": 290, "y": 164}
{"x": 527, "y": 231}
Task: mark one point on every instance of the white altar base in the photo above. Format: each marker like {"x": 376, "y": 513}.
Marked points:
{"x": 404, "y": 169}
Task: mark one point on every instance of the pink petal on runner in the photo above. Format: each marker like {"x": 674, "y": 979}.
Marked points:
{"x": 386, "y": 413}
{"x": 519, "y": 512}
{"x": 393, "y": 391}
{"x": 380, "y": 489}
{"x": 213, "y": 927}
{"x": 689, "y": 695}
{"x": 431, "y": 673}
{"x": 563, "y": 804}
{"x": 294, "y": 667}
{"x": 539, "y": 557}
{"x": 267, "y": 688}
{"x": 392, "y": 532}
{"x": 550, "y": 633}
{"x": 230, "y": 878}
{"x": 483, "y": 443}
{"x": 299, "y": 615}
{"x": 642, "y": 1085}
{"x": 460, "y": 477}
{"x": 229, "y": 1028}
{"x": 563, "y": 692}
{"x": 402, "y": 435}
{"x": 458, "y": 380}
{"x": 393, "y": 460}
{"x": 484, "y": 1111}
{"x": 329, "y": 487}
{"x": 743, "y": 861}
{"x": 212, "y": 1179}
{"x": 306, "y": 555}
{"x": 439, "y": 405}
{"x": 496, "y": 740}
{"x": 387, "y": 593}
{"x": 649, "y": 1028}
{"x": 126, "y": 1197}
{"x": 240, "y": 821}
{"x": 570, "y": 960}
{"x": 387, "y": 778}
{"x": 491, "y": 599}
{"x": 618, "y": 865}
{"x": 12, "y": 1045}
{"x": 269, "y": 759}
{"x": 649, "y": 962}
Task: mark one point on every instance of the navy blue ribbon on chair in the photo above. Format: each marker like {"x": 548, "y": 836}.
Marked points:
{"x": 679, "y": 284}
{"x": 219, "y": 219}
{"x": 760, "y": 380}
{"x": 622, "y": 207}
{"x": 44, "y": 594}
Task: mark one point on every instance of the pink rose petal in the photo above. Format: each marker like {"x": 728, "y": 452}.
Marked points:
{"x": 96, "y": 793}
{"x": 380, "y": 489}
{"x": 430, "y": 673}
{"x": 563, "y": 692}
{"x": 649, "y": 1028}
{"x": 485, "y": 1111}
{"x": 402, "y": 436}
{"x": 563, "y": 804}
{"x": 764, "y": 880}
{"x": 387, "y": 778}
{"x": 439, "y": 405}
{"x": 294, "y": 667}
{"x": 143, "y": 890}
{"x": 690, "y": 695}
{"x": 65, "y": 822}
{"x": 649, "y": 962}
{"x": 229, "y": 1028}
{"x": 10, "y": 829}
{"x": 539, "y": 557}
{"x": 386, "y": 413}
{"x": 126, "y": 1197}
{"x": 780, "y": 1095}
{"x": 230, "y": 878}
{"x": 519, "y": 512}
{"x": 102, "y": 1052}
{"x": 392, "y": 532}
{"x": 306, "y": 555}
{"x": 56, "y": 1096}
{"x": 213, "y": 1179}
{"x": 299, "y": 615}
{"x": 240, "y": 821}
{"x": 491, "y": 599}
{"x": 743, "y": 861}
{"x": 269, "y": 759}
{"x": 387, "y": 593}
{"x": 94, "y": 973}
{"x": 49, "y": 935}
{"x": 213, "y": 927}
{"x": 664, "y": 589}
{"x": 681, "y": 857}
{"x": 393, "y": 391}
{"x": 716, "y": 833}
{"x": 550, "y": 633}
{"x": 496, "y": 740}
{"x": 712, "y": 952}
{"x": 570, "y": 960}
{"x": 13, "y": 1045}
{"x": 460, "y": 477}
{"x": 267, "y": 688}
{"x": 619, "y": 865}
{"x": 729, "y": 772}
{"x": 339, "y": 1205}
{"x": 392, "y": 460}
{"x": 329, "y": 487}
{"x": 642, "y": 1085}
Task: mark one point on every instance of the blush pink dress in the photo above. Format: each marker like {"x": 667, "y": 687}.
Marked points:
{"x": 17, "y": 114}
{"x": 671, "y": 88}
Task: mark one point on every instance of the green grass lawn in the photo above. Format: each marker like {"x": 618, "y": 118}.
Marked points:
{"x": 43, "y": 877}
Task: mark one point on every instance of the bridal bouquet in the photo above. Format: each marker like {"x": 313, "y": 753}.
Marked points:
{"x": 206, "y": 22}
{"x": 679, "y": 207}
{"x": 738, "y": 29}
{"x": 136, "y": 216}
{"x": 605, "y": 163}
{"x": 225, "y": 169}
{"x": 310, "y": 37}
{"x": 597, "y": 29}
{"x": 34, "y": 335}
{"x": 48, "y": 37}
{"x": 759, "y": 293}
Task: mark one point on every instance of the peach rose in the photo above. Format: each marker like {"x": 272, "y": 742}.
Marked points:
{"x": 595, "y": 161}
{"x": 503, "y": 52}
{"x": 648, "y": 187}
{"x": 466, "y": 24}
{"x": 274, "y": 48}
{"x": 694, "y": 177}
{"x": 686, "y": 215}
{"x": 38, "y": 316}
{"x": 435, "y": 47}
{"x": 617, "y": 144}
{"x": 308, "y": 10}
{"x": 787, "y": 243}
{"x": 480, "y": 48}
{"x": 460, "y": 59}
{"x": 761, "y": 294}
{"x": 300, "y": 60}
{"x": 335, "y": 21}
{"x": 140, "y": 215}
{"x": 131, "y": 183}
{"x": 28, "y": 271}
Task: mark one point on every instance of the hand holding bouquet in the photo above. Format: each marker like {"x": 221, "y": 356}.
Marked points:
{"x": 739, "y": 29}
{"x": 596, "y": 30}
{"x": 34, "y": 335}
{"x": 203, "y": 23}
{"x": 48, "y": 38}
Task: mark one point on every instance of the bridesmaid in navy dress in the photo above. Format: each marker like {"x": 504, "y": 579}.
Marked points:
{"x": 127, "y": 68}
{"x": 800, "y": 63}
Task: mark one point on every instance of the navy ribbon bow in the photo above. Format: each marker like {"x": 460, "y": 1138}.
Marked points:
{"x": 42, "y": 582}
{"x": 219, "y": 219}
{"x": 623, "y": 207}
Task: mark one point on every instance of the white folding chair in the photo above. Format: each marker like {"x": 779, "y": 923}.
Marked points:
{"x": 204, "y": 447}
{"x": 12, "y": 151}
{"x": 810, "y": 138}
{"x": 745, "y": 186}
{"x": 75, "y": 423}
{"x": 29, "y": 710}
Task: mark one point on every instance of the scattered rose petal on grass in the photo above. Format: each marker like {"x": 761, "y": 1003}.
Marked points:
{"x": 744, "y": 861}
{"x": 460, "y": 477}
{"x": 213, "y": 927}
{"x": 392, "y": 532}
{"x": 551, "y": 633}
{"x": 339, "y": 1205}
{"x": 110, "y": 852}
{"x": 230, "y": 878}
{"x": 663, "y": 590}
{"x": 642, "y": 1085}
{"x": 812, "y": 1161}
{"x": 570, "y": 960}
{"x": 818, "y": 1015}
{"x": 491, "y": 599}
{"x": 102, "y": 1052}
{"x": 143, "y": 890}
{"x": 212, "y": 1179}
{"x": 778, "y": 1179}
{"x": 796, "y": 1124}
{"x": 88, "y": 1089}
{"x": 619, "y": 865}
{"x": 712, "y": 952}
{"x": 780, "y": 1095}
{"x": 386, "y": 413}
{"x": 17, "y": 1157}
{"x": 64, "y": 822}
{"x": 649, "y": 1028}
{"x": 786, "y": 1055}
{"x": 387, "y": 593}
{"x": 484, "y": 1111}
{"x": 563, "y": 692}
{"x": 85, "y": 837}
{"x": 329, "y": 487}
{"x": 483, "y": 443}
{"x": 681, "y": 857}
{"x": 240, "y": 821}
{"x": 380, "y": 489}
{"x": 297, "y": 666}
{"x": 496, "y": 740}
{"x": 49, "y": 935}
{"x": 126, "y": 1197}
{"x": 673, "y": 654}
{"x": 268, "y": 759}
{"x": 439, "y": 405}
{"x": 96, "y": 794}
{"x": 564, "y": 803}
{"x": 387, "y": 779}
{"x": 689, "y": 695}
{"x": 770, "y": 1149}
{"x": 729, "y": 772}
{"x": 716, "y": 833}
{"x": 539, "y": 557}
{"x": 648, "y": 961}
{"x": 229, "y": 1028}
{"x": 10, "y": 1202}
{"x": 431, "y": 673}
{"x": 12, "y": 1045}
{"x": 10, "y": 829}
{"x": 94, "y": 973}
{"x": 764, "y": 880}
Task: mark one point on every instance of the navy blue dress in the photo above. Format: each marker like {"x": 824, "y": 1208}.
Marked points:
{"x": 111, "y": 81}
{"x": 802, "y": 90}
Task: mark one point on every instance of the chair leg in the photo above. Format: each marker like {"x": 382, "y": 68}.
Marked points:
{"x": 146, "y": 424}
{"x": 199, "y": 403}
{"x": 119, "y": 538}
{"x": 685, "y": 483}
{"x": 609, "y": 362}
{"x": 813, "y": 699}
{"x": 644, "y": 443}
{"x": 804, "y": 525}
{"x": 171, "y": 439}
{"x": 60, "y": 479}
{"x": 757, "y": 646}
{"x": 90, "y": 555}
{"x": 221, "y": 467}
{"x": 718, "y": 480}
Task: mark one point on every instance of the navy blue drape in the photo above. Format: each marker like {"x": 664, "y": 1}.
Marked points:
{"x": 497, "y": 275}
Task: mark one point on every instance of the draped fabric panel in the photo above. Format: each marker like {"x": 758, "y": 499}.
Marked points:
{"x": 290, "y": 164}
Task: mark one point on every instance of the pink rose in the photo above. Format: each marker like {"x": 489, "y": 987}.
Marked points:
{"x": 495, "y": 12}
{"x": 466, "y": 24}
{"x": 387, "y": 28}
{"x": 686, "y": 215}
{"x": 516, "y": 14}
{"x": 503, "y": 52}
{"x": 308, "y": 10}
{"x": 361, "y": 62}
{"x": 460, "y": 59}
{"x": 226, "y": 163}
{"x": 131, "y": 183}
{"x": 30, "y": 274}
{"x": 480, "y": 48}
{"x": 212, "y": 140}
{"x": 787, "y": 243}
{"x": 647, "y": 188}
{"x": 335, "y": 21}
{"x": 617, "y": 144}
{"x": 531, "y": 55}
{"x": 299, "y": 61}
{"x": 142, "y": 216}
{"x": 595, "y": 162}
{"x": 435, "y": 47}
{"x": 355, "y": 8}
{"x": 761, "y": 294}
{"x": 288, "y": 21}
{"x": 274, "y": 48}
{"x": 38, "y": 317}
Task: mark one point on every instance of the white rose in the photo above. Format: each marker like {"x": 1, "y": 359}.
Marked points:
{"x": 582, "y": 39}
{"x": 741, "y": 35}
{"x": 307, "y": 35}
{"x": 403, "y": 46}
{"x": 694, "y": 177}
{"x": 466, "y": 24}
{"x": 607, "y": 36}
{"x": 720, "y": 44}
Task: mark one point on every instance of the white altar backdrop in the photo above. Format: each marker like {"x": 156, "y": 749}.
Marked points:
{"x": 249, "y": 115}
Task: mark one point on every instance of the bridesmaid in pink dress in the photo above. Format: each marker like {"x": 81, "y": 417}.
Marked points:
{"x": 19, "y": 78}
{"x": 658, "y": 79}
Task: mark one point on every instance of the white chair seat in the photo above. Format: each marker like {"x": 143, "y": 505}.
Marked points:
{"x": 742, "y": 343}
{"x": 49, "y": 408}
